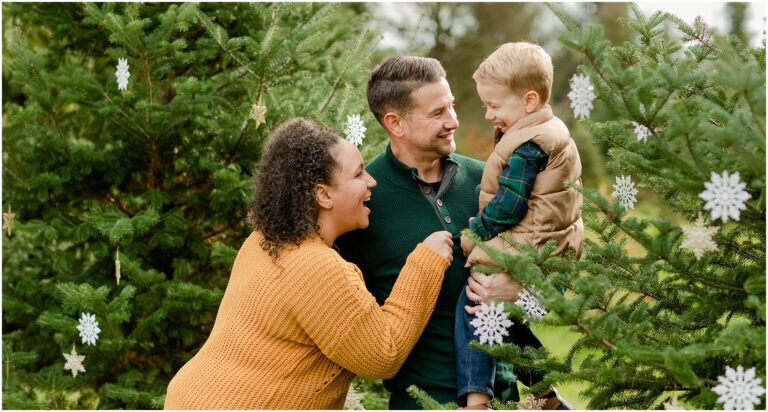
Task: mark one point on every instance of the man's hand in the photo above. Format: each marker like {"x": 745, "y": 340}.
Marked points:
{"x": 442, "y": 243}
{"x": 485, "y": 288}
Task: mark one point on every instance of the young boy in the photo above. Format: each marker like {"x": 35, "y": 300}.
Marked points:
{"x": 522, "y": 191}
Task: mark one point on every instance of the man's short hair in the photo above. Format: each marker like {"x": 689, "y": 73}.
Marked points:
{"x": 520, "y": 66}
{"x": 393, "y": 80}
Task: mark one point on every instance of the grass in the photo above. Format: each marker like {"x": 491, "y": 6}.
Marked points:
{"x": 559, "y": 340}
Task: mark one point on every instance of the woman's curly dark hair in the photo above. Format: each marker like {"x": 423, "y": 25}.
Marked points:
{"x": 297, "y": 157}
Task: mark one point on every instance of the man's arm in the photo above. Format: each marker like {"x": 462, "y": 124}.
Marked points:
{"x": 510, "y": 204}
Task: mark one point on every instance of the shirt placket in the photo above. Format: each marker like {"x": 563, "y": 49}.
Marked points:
{"x": 435, "y": 199}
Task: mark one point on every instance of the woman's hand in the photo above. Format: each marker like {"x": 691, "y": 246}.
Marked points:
{"x": 485, "y": 288}
{"x": 442, "y": 243}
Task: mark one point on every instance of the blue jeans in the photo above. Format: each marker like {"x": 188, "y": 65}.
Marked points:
{"x": 476, "y": 370}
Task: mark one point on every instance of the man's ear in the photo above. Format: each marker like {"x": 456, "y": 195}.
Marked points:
{"x": 393, "y": 122}
{"x": 531, "y": 101}
{"x": 323, "y": 196}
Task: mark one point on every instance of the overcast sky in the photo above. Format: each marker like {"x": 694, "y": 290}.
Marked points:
{"x": 713, "y": 13}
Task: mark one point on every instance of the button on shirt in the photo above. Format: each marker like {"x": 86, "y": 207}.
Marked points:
{"x": 510, "y": 204}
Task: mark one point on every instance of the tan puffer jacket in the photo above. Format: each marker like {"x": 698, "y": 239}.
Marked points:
{"x": 554, "y": 211}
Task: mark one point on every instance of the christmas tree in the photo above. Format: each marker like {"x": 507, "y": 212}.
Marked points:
{"x": 664, "y": 311}
{"x": 130, "y": 136}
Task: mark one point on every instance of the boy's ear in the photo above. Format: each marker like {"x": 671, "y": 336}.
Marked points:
{"x": 531, "y": 101}
{"x": 393, "y": 122}
{"x": 323, "y": 196}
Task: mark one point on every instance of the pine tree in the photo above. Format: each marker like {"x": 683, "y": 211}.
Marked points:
{"x": 671, "y": 318}
{"x": 151, "y": 182}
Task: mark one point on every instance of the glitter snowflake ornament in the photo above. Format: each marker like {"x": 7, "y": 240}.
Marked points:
{"x": 738, "y": 389}
{"x": 699, "y": 237}
{"x": 74, "y": 362}
{"x": 117, "y": 266}
{"x": 258, "y": 113}
{"x": 355, "y": 130}
{"x": 491, "y": 323}
{"x": 673, "y": 405}
{"x": 528, "y": 301}
{"x": 8, "y": 220}
{"x": 530, "y": 403}
{"x": 122, "y": 74}
{"x": 581, "y": 96}
{"x": 89, "y": 328}
{"x": 725, "y": 196}
{"x": 625, "y": 191}
{"x": 641, "y": 132}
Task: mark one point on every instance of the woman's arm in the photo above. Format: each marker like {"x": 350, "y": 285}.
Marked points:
{"x": 350, "y": 328}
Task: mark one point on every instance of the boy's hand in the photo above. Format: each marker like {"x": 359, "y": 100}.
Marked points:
{"x": 466, "y": 244}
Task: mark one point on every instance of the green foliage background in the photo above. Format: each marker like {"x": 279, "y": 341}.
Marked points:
{"x": 163, "y": 171}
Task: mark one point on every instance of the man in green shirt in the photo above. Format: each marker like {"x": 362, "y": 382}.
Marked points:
{"x": 422, "y": 187}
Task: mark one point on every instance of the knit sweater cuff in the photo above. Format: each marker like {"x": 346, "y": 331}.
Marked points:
{"x": 424, "y": 256}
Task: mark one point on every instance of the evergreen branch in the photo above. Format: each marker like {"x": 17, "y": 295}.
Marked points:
{"x": 218, "y": 41}
{"x": 232, "y": 224}
{"x": 424, "y": 399}
{"x": 667, "y": 259}
{"x": 693, "y": 155}
{"x": 149, "y": 89}
{"x": 61, "y": 134}
{"x": 752, "y": 110}
{"x": 347, "y": 65}
{"x": 602, "y": 340}
{"x": 126, "y": 116}
{"x": 126, "y": 129}
{"x": 119, "y": 205}
{"x": 240, "y": 138}
{"x": 14, "y": 163}
{"x": 53, "y": 111}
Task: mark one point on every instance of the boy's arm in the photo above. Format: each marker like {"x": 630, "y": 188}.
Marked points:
{"x": 510, "y": 204}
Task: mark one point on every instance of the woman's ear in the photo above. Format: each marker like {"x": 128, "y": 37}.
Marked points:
{"x": 323, "y": 196}
{"x": 393, "y": 123}
{"x": 531, "y": 101}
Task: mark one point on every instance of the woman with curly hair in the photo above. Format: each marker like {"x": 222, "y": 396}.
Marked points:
{"x": 296, "y": 323}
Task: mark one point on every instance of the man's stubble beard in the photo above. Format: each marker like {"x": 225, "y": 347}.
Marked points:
{"x": 435, "y": 146}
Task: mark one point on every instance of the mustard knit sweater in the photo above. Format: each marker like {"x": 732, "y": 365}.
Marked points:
{"x": 292, "y": 334}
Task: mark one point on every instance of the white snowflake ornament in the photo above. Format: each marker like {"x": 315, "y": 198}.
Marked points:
{"x": 122, "y": 74}
{"x": 491, "y": 323}
{"x": 74, "y": 362}
{"x": 725, "y": 196}
{"x": 355, "y": 130}
{"x": 738, "y": 389}
{"x": 699, "y": 237}
{"x": 89, "y": 328}
{"x": 528, "y": 301}
{"x": 581, "y": 96}
{"x": 625, "y": 191}
{"x": 641, "y": 132}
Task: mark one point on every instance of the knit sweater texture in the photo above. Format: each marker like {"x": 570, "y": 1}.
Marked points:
{"x": 292, "y": 333}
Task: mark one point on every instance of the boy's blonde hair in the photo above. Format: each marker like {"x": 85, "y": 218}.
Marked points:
{"x": 521, "y": 66}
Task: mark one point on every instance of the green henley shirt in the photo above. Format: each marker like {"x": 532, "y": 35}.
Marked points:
{"x": 404, "y": 211}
